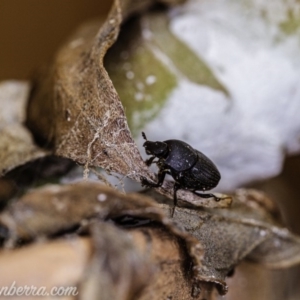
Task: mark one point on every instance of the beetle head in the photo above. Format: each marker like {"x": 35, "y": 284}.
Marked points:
{"x": 157, "y": 149}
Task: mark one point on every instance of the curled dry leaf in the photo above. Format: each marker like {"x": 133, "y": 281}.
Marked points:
{"x": 82, "y": 114}
{"x": 248, "y": 230}
{"x": 84, "y": 117}
{"x": 64, "y": 208}
{"x": 118, "y": 269}
{"x": 215, "y": 240}
{"x": 49, "y": 265}
{"x": 172, "y": 268}
{"x": 16, "y": 143}
{"x": 121, "y": 267}
{"x": 112, "y": 264}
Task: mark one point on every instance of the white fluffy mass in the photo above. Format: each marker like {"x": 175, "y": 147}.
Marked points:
{"x": 248, "y": 133}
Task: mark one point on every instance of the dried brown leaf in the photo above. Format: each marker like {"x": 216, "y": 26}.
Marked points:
{"x": 16, "y": 143}
{"x": 63, "y": 207}
{"x": 216, "y": 240}
{"x": 122, "y": 269}
{"x": 118, "y": 269}
{"x": 54, "y": 209}
{"x": 248, "y": 230}
{"x": 172, "y": 278}
{"x": 139, "y": 263}
{"x": 83, "y": 116}
{"x": 49, "y": 265}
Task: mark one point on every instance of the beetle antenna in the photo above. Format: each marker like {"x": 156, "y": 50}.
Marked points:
{"x": 144, "y": 135}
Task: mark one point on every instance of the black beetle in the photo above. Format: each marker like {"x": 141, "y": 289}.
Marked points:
{"x": 190, "y": 168}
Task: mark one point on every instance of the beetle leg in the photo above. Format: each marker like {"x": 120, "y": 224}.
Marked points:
{"x": 161, "y": 176}
{"x": 207, "y": 196}
{"x": 149, "y": 161}
{"x": 175, "y": 189}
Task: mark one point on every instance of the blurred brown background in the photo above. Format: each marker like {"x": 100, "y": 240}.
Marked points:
{"x": 31, "y": 30}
